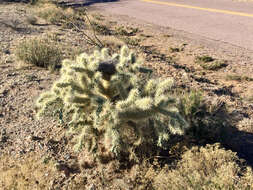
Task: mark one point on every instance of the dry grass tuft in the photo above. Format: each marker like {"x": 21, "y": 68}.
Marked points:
{"x": 40, "y": 52}
{"x": 67, "y": 18}
{"x": 208, "y": 168}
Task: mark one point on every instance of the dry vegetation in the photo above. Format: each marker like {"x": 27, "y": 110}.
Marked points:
{"x": 66, "y": 18}
{"x": 39, "y": 52}
{"x": 209, "y": 167}
{"x": 44, "y": 158}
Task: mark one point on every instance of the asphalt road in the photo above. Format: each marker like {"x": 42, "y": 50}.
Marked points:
{"x": 220, "y": 20}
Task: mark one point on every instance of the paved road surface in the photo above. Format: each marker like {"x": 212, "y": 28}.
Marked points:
{"x": 222, "y": 20}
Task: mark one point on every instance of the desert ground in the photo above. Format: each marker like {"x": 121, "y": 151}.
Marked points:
{"x": 38, "y": 153}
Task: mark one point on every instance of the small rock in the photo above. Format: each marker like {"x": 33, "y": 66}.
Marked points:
{"x": 92, "y": 187}
{"x": 3, "y": 136}
{"x": 7, "y": 51}
{"x": 12, "y": 74}
{"x": 4, "y": 92}
{"x": 35, "y": 138}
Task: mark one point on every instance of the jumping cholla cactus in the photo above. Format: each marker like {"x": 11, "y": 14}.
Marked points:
{"x": 109, "y": 102}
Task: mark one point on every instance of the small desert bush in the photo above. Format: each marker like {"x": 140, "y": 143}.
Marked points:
{"x": 100, "y": 28}
{"x": 40, "y": 52}
{"x": 67, "y": 18}
{"x": 131, "y": 41}
{"x": 209, "y": 63}
{"x": 204, "y": 59}
{"x": 126, "y": 31}
{"x": 205, "y": 168}
{"x": 207, "y": 118}
{"x": 191, "y": 104}
{"x": 216, "y": 65}
{"x": 114, "y": 105}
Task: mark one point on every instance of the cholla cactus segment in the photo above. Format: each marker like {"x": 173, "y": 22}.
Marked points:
{"x": 105, "y": 97}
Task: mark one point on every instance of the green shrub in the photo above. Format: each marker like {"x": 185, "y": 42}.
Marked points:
{"x": 126, "y": 31}
{"x": 205, "y": 168}
{"x": 191, "y": 103}
{"x": 207, "y": 119}
{"x": 209, "y": 63}
{"x": 204, "y": 59}
{"x": 131, "y": 41}
{"x": 39, "y": 52}
{"x": 101, "y": 28}
{"x": 113, "y": 104}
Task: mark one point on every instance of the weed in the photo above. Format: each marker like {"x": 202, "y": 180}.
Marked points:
{"x": 131, "y": 41}
{"x": 191, "y": 104}
{"x": 204, "y": 59}
{"x": 239, "y": 78}
{"x": 39, "y": 52}
{"x": 122, "y": 31}
{"x": 100, "y": 28}
{"x": 173, "y": 50}
{"x": 67, "y": 18}
{"x": 209, "y": 63}
{"x": 206, "y": 118}
{"x": 214, "y": 65}
{"x": 209, "y": 167}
